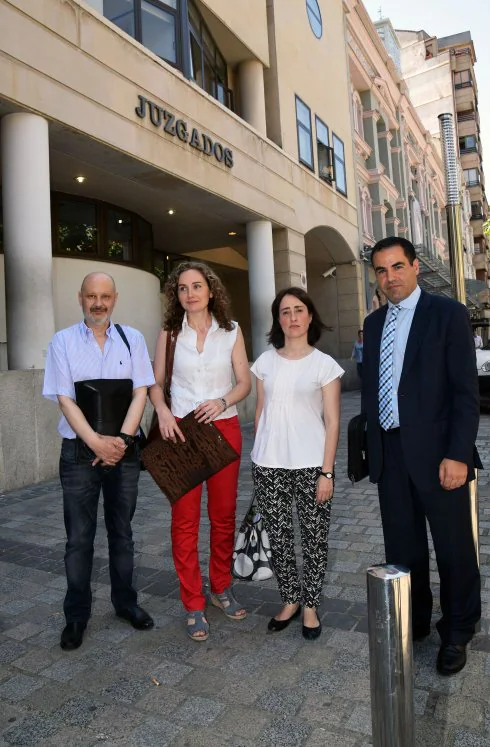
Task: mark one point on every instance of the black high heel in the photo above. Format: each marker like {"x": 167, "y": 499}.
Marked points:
{"x": 276, "y": 625}
{"x": 312, "y": 633}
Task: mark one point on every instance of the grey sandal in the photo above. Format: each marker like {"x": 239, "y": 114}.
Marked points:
{"x": 199, "y": 629}
{"x": 228, "y": 604}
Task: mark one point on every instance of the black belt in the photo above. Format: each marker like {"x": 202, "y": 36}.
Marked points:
{"x": 390, "y": 431}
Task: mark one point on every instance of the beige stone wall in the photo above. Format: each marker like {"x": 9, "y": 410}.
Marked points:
{"x": 316, "y": 71}
{"x": 79, "y": 70}
{"x": 247, "y": 20}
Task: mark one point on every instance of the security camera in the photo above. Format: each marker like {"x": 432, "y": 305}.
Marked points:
{"x": 330, "y": 272}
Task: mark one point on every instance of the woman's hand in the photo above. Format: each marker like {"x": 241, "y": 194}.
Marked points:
{"x": 168, "y": 425}
{"x": 207, "y": 411}
{"x": 324, "y": 489}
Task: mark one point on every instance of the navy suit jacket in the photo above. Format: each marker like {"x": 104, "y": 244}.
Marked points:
{"x": 438, "y": 399}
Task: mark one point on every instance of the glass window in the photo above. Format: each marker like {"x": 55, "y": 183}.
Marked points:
{"x": 314, "y": 17}
{"x": 158, "y": 31}
{"x": 196, "y": 61}
{"x": 339, "y": 162}
{"x": 121, "y": 13}
{"x": 324, "y": 152}
{"x": 303, "y": 127}
{"x": 471, "y": 176}
{"x": 463, "y": 78}
{"x": 208, "y": 66}
{"x": 119, "y": 235}
{"x": 77, "y": 227}
{"x": 145, "y": 245}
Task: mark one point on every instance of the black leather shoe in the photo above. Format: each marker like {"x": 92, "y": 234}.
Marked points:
{"x": 451, "y": 658}
{"x": 137, "y": 616}
{"x": 276, "y": 625}
{"x": 310, "y": 634}
{"x": 419, "y": 633}
{"x": 72, "y": 636}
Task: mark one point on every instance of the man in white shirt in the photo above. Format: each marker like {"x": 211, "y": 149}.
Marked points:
{"x": 478, "y": 341}
{"x": 91, "y": 351}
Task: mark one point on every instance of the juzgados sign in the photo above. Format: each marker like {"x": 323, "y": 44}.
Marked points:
{"x": 160, "y": 117}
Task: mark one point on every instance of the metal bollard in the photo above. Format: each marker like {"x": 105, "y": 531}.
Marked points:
{"x": 475, "y": 520}
{"x": 390, "y": 655}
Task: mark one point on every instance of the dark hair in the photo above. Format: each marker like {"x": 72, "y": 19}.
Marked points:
{"x": 276, "y": 335}
{"x": 219, "y": 304}
{"x": 389, "y": 242}
{"x": 360, "y": 331}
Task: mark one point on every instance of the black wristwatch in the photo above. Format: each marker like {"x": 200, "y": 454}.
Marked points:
{"x": 128, "y": 440}
{"x": 328, "y": 475}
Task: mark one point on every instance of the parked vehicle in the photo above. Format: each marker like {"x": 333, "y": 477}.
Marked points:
{"x": 483, "y": 367}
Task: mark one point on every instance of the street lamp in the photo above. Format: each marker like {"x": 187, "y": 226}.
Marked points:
{"x": 453, "y": 207}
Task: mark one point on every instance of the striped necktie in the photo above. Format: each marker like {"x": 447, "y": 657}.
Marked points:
{"x": 386, "y": 370}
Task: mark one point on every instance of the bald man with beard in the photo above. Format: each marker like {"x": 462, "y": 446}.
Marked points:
{"x": 96, "y": 357}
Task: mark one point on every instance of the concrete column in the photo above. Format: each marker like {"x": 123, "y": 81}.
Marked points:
{"x": 262, "y": 291}
{"x": 289, "y": 259}
{"x": 252, "y": 96}
{"x": 351, "y": 304}
{"x": 27, "y": 239}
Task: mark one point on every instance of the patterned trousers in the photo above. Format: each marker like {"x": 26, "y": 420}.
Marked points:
{"x": 275, "y": 489}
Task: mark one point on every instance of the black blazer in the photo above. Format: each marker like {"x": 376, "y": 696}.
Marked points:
{"x": 438, "y": 400}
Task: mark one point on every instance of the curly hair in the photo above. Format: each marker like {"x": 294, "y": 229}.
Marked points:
{"x": 219, "y": 304}
{"x": 276, "y": 335}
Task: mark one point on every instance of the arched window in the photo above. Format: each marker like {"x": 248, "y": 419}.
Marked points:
{"x": 357, "y": 109}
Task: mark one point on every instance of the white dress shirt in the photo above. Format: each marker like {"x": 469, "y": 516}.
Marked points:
{"x": 197, "y": 376}
{"x": 403, "y": 325}
{"x": 74, "y": 355}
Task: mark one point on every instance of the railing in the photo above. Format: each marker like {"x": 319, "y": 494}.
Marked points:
{"x": 477, "y": 216}
{"x": 464, "y": 84}
{"x": 473, "y": 183}
{"x": 466, "y": 117}
{"x": 465, "y": 151}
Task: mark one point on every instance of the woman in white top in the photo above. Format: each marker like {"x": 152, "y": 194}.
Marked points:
{"x": 297, "y": 424}
{"x": 209, "y": 349}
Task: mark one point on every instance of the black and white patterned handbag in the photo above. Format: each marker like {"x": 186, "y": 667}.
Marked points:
{"x": 252, "y": 553}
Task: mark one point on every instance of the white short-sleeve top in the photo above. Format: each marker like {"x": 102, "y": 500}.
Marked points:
{"x": 291, "y": 429}
{"x": 199, "y": 376}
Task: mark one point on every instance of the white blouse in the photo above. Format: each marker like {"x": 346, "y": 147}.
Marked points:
{"x": 200, "y": 376}
{"x": 291, "y": 429}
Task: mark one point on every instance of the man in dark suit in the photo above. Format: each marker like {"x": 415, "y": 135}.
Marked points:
{"x": 420, "y": 397}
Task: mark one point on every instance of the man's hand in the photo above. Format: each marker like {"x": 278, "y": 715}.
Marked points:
{"x": 452, "y": 474}
{"x": 109, "y": 450}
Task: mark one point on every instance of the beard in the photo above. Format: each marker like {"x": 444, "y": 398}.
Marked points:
{"x": 98, "y": 321}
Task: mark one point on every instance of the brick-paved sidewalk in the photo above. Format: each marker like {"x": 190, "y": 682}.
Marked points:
{"x": 241, "y": 688}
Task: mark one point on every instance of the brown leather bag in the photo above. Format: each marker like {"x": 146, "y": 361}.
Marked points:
{"x": 178, "y": 467}
{"x": 170, "y": 345}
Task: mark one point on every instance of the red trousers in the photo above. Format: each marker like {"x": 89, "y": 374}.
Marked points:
{"x": 186, "y": 513}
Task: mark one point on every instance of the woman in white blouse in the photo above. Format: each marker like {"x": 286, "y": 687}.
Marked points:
{"x": 209, "y": 349}
{"x": 296, "y": 434}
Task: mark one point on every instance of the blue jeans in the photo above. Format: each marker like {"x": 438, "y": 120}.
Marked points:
{"x": 81, "y": 485}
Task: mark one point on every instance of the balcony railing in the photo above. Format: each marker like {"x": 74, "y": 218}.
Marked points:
{"x": 473, "y": 183}
{"x": 466, "y": 117}
{"x": 477, "y": 216}
{"x": 464, "y": 84}
{"x": 472, "y": 149}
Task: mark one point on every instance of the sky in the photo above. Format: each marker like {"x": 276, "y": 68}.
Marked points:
{"x": 443, "y": 18}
